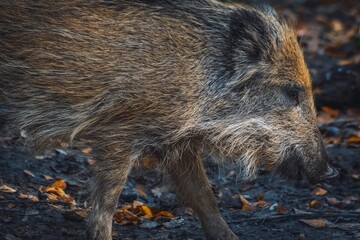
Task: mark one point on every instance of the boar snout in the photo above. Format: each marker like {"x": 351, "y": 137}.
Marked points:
{"x": 330, "y": 173}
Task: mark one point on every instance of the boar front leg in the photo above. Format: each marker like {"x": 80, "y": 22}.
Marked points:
{"x": 108, "y": 180}
{"x": 193, "y": 186}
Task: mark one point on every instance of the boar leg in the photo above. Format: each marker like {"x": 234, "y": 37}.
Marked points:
{"x": 108, "y": 180}
{"x": 192, "y": 184}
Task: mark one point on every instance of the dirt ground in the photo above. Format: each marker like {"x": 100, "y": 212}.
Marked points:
{"x": 267, "y": 208}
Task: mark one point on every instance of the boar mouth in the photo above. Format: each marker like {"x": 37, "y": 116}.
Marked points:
{"x": 292, "y": 168}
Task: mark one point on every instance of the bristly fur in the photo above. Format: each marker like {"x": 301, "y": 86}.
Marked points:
{"x": 170, "y": 80}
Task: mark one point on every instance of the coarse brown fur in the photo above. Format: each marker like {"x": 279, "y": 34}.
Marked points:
{"x": 171, "y": 80}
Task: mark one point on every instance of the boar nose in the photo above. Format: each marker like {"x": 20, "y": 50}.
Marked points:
{"x": 330, "y": 173}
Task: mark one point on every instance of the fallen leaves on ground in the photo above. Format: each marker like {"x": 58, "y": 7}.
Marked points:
{"x": 315, "y": 223}
{"x": 47, "y": 177}
{"x": 136, "y": 212}
{"x": 29, "y": 173}
{"x": 356, "y": 176}
{"x": 251, "y": 206}
{"x": 28, "y": 196}
{"x": 281, "y": 209}
{"x": 318, "y": 191}
{"x": 6, "y": 189}
{"x": 314, "y": 203}
{"x": 56, "y": 191}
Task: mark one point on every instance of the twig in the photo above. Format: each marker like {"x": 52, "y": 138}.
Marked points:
{"x": 304, "y": 215}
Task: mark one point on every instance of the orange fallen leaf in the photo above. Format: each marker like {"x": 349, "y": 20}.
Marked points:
{"x": 136, "y": 212}
{"x": 261, "y": 203}
{"x": 314, "y": 203}
{"x": 53, "y": 197}
{"x": 281, "y": 209}
{"x": 55, "y": 190}
{"x": 164, "y": 214}
{"x": 244, "y": 200}
{"x": 353, "y": 139}
{"x": 125, "y": 216}
{"x": 59, "y": 184}
{"x": 316, "y": 223}
{"x": 146, "y": 211}
{"x": 6, "y": 189}
{"x": 29, "y": 173}
{"x": 67, "y": 198}
{"x": 332, "y": 112}
{"x": 318, "y": 191}
{"x": 246, "y": 205}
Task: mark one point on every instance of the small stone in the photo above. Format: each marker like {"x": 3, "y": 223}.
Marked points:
{"x": 149, "y": 224}
{"x": 174, "y": 223}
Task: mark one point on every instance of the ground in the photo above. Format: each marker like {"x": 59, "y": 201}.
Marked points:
{"x": 268, "y": 208}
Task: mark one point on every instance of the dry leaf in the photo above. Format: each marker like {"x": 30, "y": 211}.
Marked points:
{"x": 47, "y": 177}
{"x": 53, "y": 197}
{"x": 244, "y": 200}
{"x": 353, "y": 139}
{"x": 261, "y": 203}
{"x": 10, "y": 205}
{"x": 2, "y": 198}
{"x": 314, "y": 203}
{"x": 28, "y": 196}
{"x": 59, "y": 184}
{"x": 42, "y": 189}
{"x": 136, "y": 212}
{"x": 355, "y": 176}
{"x": 316, "y": 223}
{"x": 332, "y": 112}
{"x": 164, "y": 214}
{"x": 68, "y": 198}
{"x": 318, "y": 191}
{"x": 333, "y": 201}
{"x": 351, "y": 198}
{"x": 135, "y": 204}
{"x": 6, "y": 189}
{"x": 146, "y": 211}
{"x": 281, "y": 209}
{"x": 140, "y": 190}
{"x": 55, "y": 190}
{"x": 29, "y": 173}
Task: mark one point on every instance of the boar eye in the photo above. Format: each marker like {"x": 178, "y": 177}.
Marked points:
{"x": 293, "y": 93}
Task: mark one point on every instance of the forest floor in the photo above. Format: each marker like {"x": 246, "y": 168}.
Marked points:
{"x": 35, "y": 204}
